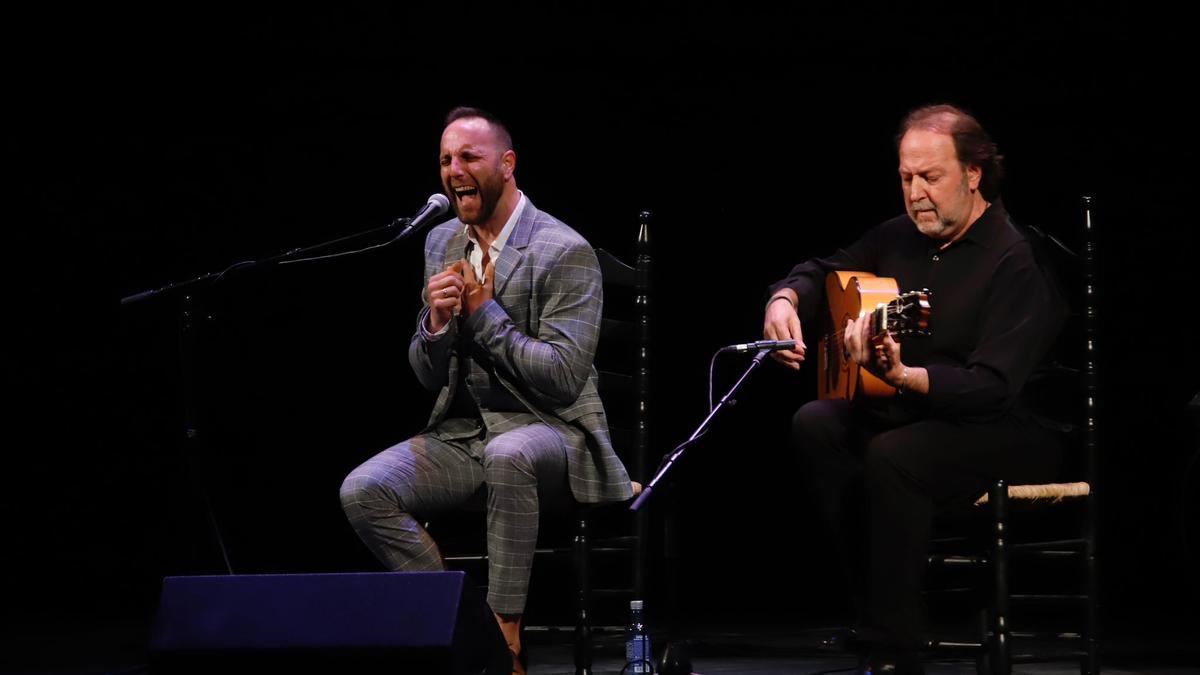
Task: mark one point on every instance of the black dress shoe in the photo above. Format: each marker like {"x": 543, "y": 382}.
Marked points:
{"x": 890, "y": 662}
{"x": 842, "y": 640}
{"x": 676, "y": 659}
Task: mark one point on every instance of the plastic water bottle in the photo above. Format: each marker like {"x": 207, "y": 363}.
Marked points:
{"x": 637, "y": 647}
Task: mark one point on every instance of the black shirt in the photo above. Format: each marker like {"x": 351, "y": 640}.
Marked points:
{"x": 994, "y": 311}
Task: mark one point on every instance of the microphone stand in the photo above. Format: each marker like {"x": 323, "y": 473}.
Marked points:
{"x": 676, "y": 454}
{"x": 214, "y": 277}
{"x": 189, "y": 312}
{"x": 675, "y": 660}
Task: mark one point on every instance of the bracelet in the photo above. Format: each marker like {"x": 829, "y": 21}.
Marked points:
{"x": 903, "y": 381}
{"x": 780, "y": 297}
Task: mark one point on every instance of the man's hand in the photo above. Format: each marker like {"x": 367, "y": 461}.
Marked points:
{"x": 445, "y": 294}
{"x": 782, "y": 323}
{"x": 474, "y": 292}
{"x": 882, "y": 359}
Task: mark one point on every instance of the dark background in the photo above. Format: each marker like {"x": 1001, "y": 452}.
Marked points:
{"x": 151, "y": 146}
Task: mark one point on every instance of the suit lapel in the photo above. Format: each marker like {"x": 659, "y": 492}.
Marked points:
{"x": 456, "y": 249}
{"x": 513, "y": 251}
{"x": 509, "y": 258}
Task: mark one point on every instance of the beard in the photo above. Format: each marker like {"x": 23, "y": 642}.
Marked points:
{"x": 935, "y": 227}
{"x": 937, "y": 223}
{"x": 487, "y": 198}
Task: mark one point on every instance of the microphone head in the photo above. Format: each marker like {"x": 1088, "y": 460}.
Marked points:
{"x": 440, "y": 202}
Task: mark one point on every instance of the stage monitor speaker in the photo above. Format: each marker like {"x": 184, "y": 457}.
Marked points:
{"x": 394, "y": 622}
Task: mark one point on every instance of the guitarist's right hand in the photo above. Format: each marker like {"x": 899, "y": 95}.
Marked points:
{"x": 782, "y": 323}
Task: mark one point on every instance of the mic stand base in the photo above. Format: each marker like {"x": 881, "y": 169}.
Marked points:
{"x": 675, "y": 658}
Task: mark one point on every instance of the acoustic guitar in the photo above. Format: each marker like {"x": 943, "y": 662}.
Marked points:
{"x": 848, "y": 294}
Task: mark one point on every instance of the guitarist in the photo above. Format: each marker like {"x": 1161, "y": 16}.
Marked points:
{"x": 877, "y": 469}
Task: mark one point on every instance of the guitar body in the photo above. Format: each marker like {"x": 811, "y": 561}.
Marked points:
{"x": 848, "y": 294}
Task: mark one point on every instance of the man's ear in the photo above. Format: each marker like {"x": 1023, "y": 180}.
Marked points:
{"x": 974, "y": 175}
{"x": 509, "y": 161}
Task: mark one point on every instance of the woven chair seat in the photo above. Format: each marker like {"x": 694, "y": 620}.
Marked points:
{"x": 1050, "y": 492}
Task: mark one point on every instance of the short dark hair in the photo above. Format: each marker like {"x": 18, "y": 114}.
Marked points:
{"x": 973, "y": 145}
{"x": 494, "y": 122}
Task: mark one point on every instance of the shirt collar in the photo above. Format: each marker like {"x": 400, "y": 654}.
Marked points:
{"x": 505, "y": 232}
{"x": 984, "y": 230}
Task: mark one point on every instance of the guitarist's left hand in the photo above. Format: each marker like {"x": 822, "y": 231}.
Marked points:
{"x": 881, "y": 360}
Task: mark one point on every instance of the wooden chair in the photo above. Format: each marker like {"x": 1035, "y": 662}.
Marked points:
{"x": 597, "y": 535}
{"x": 999, "y": 646}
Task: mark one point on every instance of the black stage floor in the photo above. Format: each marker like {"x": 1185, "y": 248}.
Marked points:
{"x": 714, "y": 649}
{"x": 786, "y": 650}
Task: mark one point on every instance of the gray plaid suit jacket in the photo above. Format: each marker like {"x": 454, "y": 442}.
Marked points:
{"x": 541, "y": 333}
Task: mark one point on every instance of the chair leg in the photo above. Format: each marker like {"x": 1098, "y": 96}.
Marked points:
{"x": 1000, "y": 648}
{"x": 983, "y": 630}
{"x": 1091, "y": 664}
{"x": 583, "y": 618}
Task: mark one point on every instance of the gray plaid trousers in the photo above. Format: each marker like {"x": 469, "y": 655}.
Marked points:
{"x": 384, "y": 497}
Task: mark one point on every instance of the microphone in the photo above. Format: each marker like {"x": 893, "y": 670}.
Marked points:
{"x": 769, "y": 345}
{"x": 434, "y": 207}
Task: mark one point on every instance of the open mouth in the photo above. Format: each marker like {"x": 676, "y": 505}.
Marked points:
{"x": 463, "y": 191}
